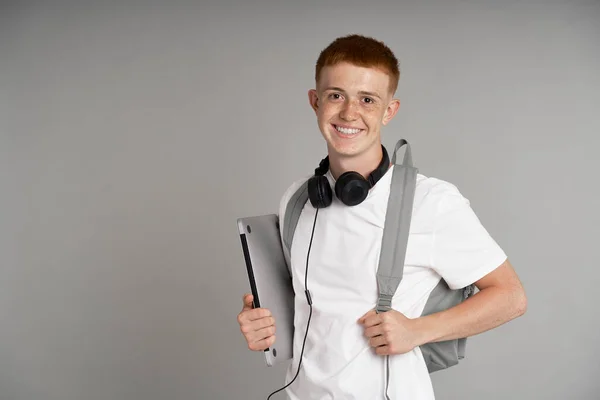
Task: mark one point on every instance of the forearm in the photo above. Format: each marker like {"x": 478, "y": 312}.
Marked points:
{"x": 489, "y": 308}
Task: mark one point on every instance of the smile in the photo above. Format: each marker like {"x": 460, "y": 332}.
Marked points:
{"x": 347, "y": 131}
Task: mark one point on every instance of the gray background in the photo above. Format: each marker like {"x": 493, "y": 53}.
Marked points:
{"x": 134, "y": 134}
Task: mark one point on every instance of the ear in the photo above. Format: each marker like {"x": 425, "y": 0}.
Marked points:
{"x": 391, "y": 111}
{"x": 313, "y": 99}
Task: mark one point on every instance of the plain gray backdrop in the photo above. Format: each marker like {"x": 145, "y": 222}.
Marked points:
{"x": 134, "y": 134}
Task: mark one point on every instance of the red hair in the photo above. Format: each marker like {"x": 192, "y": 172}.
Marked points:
{"x": 361, "y": 51}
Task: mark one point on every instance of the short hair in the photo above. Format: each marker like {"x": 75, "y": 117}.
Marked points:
{"x": 361, "y": 51}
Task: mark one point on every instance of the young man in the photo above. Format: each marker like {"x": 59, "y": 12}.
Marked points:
{"x": 346, "y": 344}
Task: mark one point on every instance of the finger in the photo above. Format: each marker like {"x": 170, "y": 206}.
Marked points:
{"x": 258, "y": 313}
{"x": 247, "y": 326}
{"x": 261, "y": 323}
{"x": 374, "y": 331}
{"x": 367, "y": 314}
{"x": 254, "y": 314}
{"x": 247, "y": 300}
{"x": 382, "y": 350}
{"x": 377, "y": 341}
{"x": 262, "y": 344}
{"x": 261, "y": 334}
{"x": 248, "y": 316}
{"x": 372, "y": 320}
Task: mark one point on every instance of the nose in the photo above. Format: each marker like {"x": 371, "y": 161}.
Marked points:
{"x": 349, "y": 111}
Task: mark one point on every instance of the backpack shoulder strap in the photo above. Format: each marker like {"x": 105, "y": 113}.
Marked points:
{"x": 396, "y": 228}
{"x": 291, "y": 216}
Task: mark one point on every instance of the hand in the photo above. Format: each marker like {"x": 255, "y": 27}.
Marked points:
{"x": 390, "y": 332}
{"x": 257, "y": 325}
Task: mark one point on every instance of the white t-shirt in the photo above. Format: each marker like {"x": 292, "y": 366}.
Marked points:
{"x": 446, "y": 240}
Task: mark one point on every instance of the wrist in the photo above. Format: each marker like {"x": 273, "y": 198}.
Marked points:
{"x": 423, "y": 328}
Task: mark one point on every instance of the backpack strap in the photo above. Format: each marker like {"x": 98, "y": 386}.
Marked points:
{"x": 395, "y": 233}
{"x": 396, "y": 228}
{"x": 290, "y": 219}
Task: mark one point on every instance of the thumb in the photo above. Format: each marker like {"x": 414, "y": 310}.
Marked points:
{"x": 248, "y": 305}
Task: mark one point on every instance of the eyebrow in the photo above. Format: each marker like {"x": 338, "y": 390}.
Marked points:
{"x": 362, "y": 92}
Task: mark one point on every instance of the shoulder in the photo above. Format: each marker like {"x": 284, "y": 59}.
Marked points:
{"x": 283, "y": 202}
{"x": 437, "y": 194}
{"x": 289, "y": 192}
{"x": 435, "y": 188}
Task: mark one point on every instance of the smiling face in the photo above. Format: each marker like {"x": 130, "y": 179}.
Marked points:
{"x": 352, "y": 104}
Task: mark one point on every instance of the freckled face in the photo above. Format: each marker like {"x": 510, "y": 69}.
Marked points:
{"x": 352, "y": 104}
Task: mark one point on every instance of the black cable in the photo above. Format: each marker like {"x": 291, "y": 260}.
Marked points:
{"x": 309, "y": 299}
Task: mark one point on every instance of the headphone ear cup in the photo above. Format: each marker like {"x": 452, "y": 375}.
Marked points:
{"x": 352, "y": 188}
{"x": 319, "y": 191}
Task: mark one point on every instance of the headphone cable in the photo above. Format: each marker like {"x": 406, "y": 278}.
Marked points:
{"x": 309, "y": 300}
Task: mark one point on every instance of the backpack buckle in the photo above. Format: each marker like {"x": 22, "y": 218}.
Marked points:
{"x": 468, "y": 291}
{"x": 384, "y": 303}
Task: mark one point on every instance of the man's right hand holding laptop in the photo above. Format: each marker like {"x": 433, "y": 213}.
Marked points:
{"x": 257, "y": 325}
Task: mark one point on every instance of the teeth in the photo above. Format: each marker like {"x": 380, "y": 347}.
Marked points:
{"x": 347, "y": 131}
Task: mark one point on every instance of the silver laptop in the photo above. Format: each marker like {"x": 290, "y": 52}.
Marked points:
{"x": 270, "y": 281}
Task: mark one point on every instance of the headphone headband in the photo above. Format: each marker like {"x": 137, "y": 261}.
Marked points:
{"x": 373, "y": 177}
{"x": 323, "y": 167}
{"x": 381, "y": 169}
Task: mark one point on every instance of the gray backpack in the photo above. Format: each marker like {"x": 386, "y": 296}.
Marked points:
{"x": 438, "y": 355}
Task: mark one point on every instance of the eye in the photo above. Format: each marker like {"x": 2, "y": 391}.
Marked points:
{"x": 335, "y": 96}
{"x": 369, "y": 100}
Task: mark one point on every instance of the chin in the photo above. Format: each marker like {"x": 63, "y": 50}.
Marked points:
{"x": 346, "y": 150}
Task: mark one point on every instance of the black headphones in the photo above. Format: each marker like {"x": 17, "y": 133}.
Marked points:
{"x": 351, "y": 187}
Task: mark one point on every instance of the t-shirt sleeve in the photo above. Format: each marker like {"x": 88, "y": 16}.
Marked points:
{"x": 463, "y": 251}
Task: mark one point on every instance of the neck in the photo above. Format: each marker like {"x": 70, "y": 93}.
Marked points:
{"x": 364, "y": 163}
